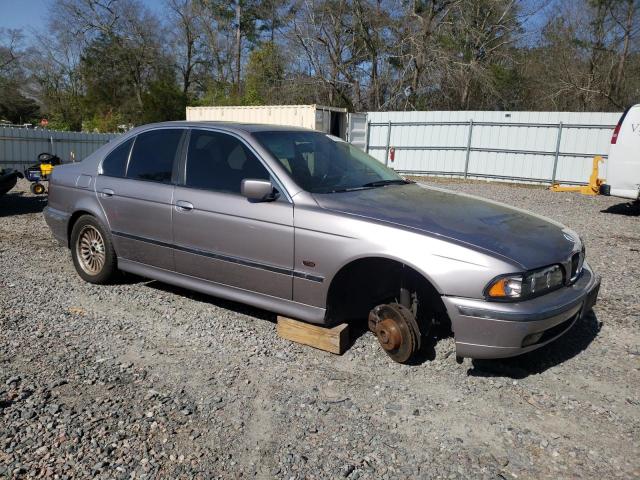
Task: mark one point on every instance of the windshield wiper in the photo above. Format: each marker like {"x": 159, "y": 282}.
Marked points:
{"x": 382, "y": 183}
{"x": 346, "y": 189}
{"x": 377, "y": 183}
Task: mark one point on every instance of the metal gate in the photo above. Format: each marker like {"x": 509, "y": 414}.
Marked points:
{"x": 357, "y": 129}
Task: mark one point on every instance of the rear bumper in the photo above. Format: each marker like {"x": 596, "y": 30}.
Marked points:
{"x": 630, "y": 193}
{"x": 58, "y": 222}
{"x": 496, "y": 330}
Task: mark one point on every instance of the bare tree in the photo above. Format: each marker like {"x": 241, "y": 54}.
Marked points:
{"x": 588, "y": 47}
{"x": 11, "y": 48}
{"x": 187, "y": 39}
{"x": 626, "y": 19}
{"x": 325, "y": 31}
{"x": 134, "y": 31}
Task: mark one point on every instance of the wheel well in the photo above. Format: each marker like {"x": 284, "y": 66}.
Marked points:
{"x": 365, "y": 283}
{"x": 72, "y": 221}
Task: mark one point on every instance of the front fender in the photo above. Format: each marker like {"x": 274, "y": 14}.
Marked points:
{"x": 331, "y": 241}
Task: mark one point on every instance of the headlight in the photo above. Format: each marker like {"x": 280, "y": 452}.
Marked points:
{"x": 525, "y": 285}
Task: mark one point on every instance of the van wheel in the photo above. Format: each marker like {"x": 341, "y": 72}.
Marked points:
{"x": 92, "y": 251}
{"x": 397, "y": 331}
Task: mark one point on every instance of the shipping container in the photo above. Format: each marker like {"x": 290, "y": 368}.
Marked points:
{"x": 330, "y": 120}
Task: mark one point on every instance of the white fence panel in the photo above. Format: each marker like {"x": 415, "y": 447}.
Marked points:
{"x": 519, "y": 146}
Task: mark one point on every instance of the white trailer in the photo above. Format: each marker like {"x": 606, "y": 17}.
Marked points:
{"x": 330, "y": 120}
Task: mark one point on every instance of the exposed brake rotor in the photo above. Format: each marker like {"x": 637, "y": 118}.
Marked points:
{"x": 396, "y": 329}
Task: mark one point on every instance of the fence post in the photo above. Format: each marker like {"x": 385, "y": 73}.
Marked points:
{"x": 386, "y": 155}
{"x": 366, "y": 136}
{"x": 555, "y": 160}
{"x": 466, "y": 162}
{"x": 51, "y": 142}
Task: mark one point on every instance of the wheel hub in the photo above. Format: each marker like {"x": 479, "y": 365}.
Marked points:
{"x": 396, "y": 329}
{"x": 389, "y": 335}
{"x": 91, "y": 252}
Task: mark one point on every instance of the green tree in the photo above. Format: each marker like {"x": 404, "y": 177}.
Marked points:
{"x": 265, "y": 74}
{"x": 106, "y": 74}
{"x": 14, "y": 106}
{"x": 164, "y": 100}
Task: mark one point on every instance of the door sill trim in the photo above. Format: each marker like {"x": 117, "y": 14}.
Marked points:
{"x": 282, "y": 306}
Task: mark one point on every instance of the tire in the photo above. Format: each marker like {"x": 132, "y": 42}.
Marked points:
{"x": 37, "y": 188}
{"x": 92, "y": 251}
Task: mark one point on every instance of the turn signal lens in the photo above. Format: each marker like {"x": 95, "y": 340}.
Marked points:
{"x": 506, "y": 287}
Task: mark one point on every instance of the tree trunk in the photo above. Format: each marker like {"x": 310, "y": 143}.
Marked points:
{"x": 617, "y": 87}
{"x": 238, "y": 46}
{"x": 596, "y": 55}
{"x": 187, "y": 71}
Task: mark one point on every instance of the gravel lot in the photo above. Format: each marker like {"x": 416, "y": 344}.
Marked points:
{"x": 144, "y": 380}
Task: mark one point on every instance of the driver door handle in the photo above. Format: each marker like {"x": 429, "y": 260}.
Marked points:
{"x": 107, "y": 192}
{"x": 183, "y": 206}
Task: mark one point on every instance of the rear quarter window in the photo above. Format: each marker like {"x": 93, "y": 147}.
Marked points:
{"x": 115, "y": 163}
{"x": 154, "y": 154}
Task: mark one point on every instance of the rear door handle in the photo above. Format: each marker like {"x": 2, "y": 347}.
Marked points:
{"x": 183, "y": 206}
{"x": 107, "y": 192}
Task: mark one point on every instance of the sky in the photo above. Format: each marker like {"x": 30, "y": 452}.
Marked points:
{"x": 23, "y": 14}
{"x": 30, "y": 15}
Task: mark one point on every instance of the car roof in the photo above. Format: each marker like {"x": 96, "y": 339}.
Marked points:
{"x": 231, "y": 126}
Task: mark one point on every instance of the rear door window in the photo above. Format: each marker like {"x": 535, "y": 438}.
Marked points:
{"x": 115, "y": 163}
{"x": 154, "y": 154}
{"x": 219, "y": 162}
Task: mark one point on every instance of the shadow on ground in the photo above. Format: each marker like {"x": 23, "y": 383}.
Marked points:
{"x": 569, "y": 345}
{"x": 218, "y": 302}
{"x": 630, "y": 209}
{"x": 16, "y": 203}
{"x": 357, "y": 328}
{"x": 564, "y": 348}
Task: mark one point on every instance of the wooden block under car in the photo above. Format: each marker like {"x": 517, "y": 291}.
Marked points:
{"x": 332, "y": 340}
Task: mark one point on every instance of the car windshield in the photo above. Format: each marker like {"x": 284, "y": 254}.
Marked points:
{"x": 320, "y": 164}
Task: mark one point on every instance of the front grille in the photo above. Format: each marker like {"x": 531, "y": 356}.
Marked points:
{"x": 575, "y": 265}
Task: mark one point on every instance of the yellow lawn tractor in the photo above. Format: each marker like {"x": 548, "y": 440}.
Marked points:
{"x": 41, "y": 171}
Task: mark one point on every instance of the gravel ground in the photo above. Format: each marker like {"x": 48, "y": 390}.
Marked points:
{"x": 144, "y": 380}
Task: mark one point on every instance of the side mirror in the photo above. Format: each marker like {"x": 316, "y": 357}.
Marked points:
{"x": 258, "y": 190}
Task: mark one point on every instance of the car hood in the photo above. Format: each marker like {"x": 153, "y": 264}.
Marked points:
{"x": 522, "y": 237}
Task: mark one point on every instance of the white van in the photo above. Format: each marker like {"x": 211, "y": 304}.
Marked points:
{"x": 623, "y": 164}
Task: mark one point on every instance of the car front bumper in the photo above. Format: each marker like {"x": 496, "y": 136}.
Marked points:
{"x": 496, "y": 330}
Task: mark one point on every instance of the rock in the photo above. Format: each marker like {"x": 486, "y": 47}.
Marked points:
{"x": 346, "y": 470}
